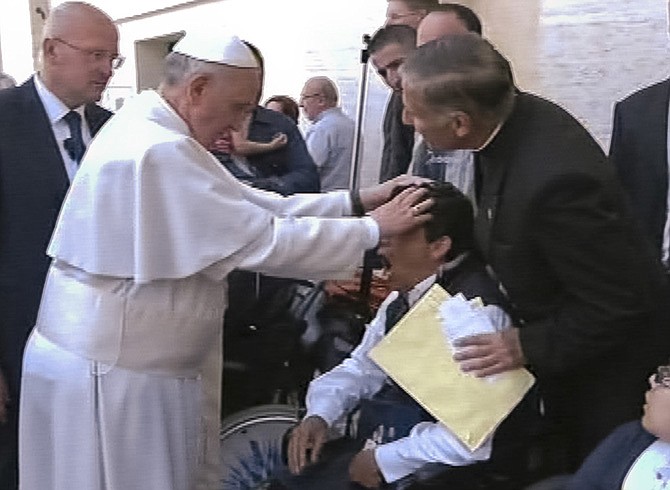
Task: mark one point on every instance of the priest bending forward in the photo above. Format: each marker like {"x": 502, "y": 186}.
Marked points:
{"x": 407, "y": 437}
{"x": 122, "y": 370}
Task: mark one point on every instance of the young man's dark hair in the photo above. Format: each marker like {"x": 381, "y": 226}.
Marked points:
{"x": 453, "y": 216}
{"x": 469, "y": 18}
{"x": 392, "y": 34}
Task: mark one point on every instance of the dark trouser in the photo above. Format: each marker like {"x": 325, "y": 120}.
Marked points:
{"x": 330, "y": 473}
{"x": 582, "y": 411}
{"x": 9, "y": 451}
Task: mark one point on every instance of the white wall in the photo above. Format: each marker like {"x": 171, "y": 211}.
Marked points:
{"x": 16, "y": 38}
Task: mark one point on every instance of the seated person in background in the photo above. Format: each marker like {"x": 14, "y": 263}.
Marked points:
{"x": 271, "y": 156}
{"x": 439, "y": 251}
{"x": 284, "y": 104}
{"x": 287, "y": 167}
{"x": 637, "y": 454}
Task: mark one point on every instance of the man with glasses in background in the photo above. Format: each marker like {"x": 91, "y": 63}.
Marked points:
{"x": 45, "y": 126}
{"x": 330, "y": 138}
{"x": 408, "y": 12}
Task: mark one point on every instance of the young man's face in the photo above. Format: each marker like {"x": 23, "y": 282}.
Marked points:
{"x": 388, "y": 60}
{"x": 409, "y": 258}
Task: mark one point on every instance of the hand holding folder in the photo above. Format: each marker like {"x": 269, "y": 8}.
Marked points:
{"x": 418, "y": 355}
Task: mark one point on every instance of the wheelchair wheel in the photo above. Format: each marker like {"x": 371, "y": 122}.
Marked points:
{"x": 251, "y": 445}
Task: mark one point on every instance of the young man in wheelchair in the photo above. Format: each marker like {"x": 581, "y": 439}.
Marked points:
{"x": 407, "y": 440}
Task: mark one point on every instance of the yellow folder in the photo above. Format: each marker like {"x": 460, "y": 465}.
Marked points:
{"x": 417, "y": 355}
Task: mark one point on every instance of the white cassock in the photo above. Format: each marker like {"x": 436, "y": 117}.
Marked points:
{"x": 121, "y": 376}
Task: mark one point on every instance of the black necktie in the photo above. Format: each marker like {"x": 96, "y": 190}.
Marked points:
{"x": 396, "y": 310}
{"x": 74, "y": 145}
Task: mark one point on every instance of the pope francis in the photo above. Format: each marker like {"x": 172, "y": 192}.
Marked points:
{"x": 122, "y": 370}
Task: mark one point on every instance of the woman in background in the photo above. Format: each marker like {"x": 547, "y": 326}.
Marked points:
{"x": 284, "y": 104}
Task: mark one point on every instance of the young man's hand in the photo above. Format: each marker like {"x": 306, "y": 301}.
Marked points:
{"x": 363, "y": 469}
{"x": 305, "y": 443}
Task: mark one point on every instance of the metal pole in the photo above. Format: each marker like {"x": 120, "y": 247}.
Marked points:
{"x": 354, "y": 176}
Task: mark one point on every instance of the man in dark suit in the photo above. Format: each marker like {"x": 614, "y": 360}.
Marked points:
{"x": 42, "y": 138}
{"x": 639, "y": 152}
{"x": 554, "y": 226}
{"x": 388, "y": 48}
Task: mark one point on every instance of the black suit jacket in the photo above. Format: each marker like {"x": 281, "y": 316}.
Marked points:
{"x": 398, "y": 140}
{"x": 555, "y": 227}
{"x": 639, "y": 151}
{"x": 33, "y": 184}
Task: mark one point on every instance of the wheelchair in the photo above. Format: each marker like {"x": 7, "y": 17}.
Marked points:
{"x": 251, "y": 445}
{"x": 268, "y": 384}
{"x": 278, "y": 336}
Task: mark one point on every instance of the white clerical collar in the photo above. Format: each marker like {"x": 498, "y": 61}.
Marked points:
{"x": 493, "y": 134}
{"x": 54, "y": 107}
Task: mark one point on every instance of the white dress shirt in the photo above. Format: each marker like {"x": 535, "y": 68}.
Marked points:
{"x": 56, "y": 110}
{"x": 337, "y": 392}
{"x": 330, "y": 142}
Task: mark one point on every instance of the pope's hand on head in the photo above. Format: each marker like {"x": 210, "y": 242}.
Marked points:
{"x": 487, "y": 354}
{"x": 375, "y": 196}
{"x": 404, "y": 212}
{"x": 305, "y": 443}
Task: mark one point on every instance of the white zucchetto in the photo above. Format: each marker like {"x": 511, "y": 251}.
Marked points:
{"x": 224, "y": 50}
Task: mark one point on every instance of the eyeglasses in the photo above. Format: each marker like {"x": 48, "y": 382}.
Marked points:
{"x": 663, "y": 376}
{"x": 309, "y": 96}
{"x": 96, "y": 55}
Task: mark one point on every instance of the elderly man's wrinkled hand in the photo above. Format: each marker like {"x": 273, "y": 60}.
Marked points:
{"x": 305, "y": 443}
{"x": 375, "y": 196}
{"x": 406, "y": 211}
{"x": 487, "y": 354}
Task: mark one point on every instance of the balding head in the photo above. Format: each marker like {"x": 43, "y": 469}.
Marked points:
{"x": 6, "y": 81}
{"x": 446, "y": 20}
{"x": 408, "y": 12}
{"x": 79, "y": 51}
{"x": 318, "y": 95}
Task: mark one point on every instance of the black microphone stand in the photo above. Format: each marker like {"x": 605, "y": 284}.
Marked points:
{"x": 370, "y": 258}
{"x": 354, "y": 176}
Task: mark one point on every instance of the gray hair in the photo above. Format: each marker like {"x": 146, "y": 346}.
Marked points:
{"x": 461, "y": 72}
{"x": 178, "y": 68}
{"x": 327, "y": 89}
{"x": 6, "y": 81}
